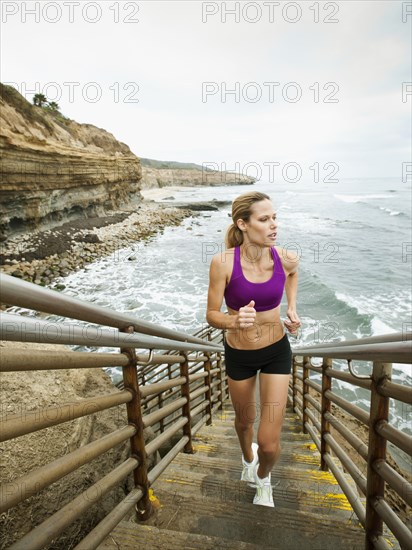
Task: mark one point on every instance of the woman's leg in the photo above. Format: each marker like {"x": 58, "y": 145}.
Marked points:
{"x": 243, "y": 396}
{"x": 273, "y": 398}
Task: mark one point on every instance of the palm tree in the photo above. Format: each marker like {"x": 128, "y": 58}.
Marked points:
{"x": 39, "y": 100}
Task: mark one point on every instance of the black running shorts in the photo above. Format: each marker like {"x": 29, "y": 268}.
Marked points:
{"x": 245, "y": 363}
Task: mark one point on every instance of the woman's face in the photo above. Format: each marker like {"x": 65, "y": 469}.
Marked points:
{"x": 262, "y": 226}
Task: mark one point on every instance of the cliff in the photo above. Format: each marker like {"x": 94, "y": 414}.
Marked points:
{"x": 54, "y": 168}
{"x": 156, "y": 174}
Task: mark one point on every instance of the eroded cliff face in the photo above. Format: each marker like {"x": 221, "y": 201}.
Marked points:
{"x": 164, "y": 177}
{"x": 54, "y": 169}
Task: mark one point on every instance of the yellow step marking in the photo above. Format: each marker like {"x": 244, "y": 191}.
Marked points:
{"x": 320, "y": 475}
{"x": 305, "y": 458}
{"x": 153, "y": 499}
{"x": 206, "y": 447}
{"x": 179, "y": 481}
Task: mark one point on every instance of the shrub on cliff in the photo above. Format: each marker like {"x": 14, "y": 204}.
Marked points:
{"x": 30, "y": 112}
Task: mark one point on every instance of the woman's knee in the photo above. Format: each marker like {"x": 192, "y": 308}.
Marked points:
{"x": 243, "y": 423}
{"x": 269, "y": 446}
{"x": 246, "y": 413}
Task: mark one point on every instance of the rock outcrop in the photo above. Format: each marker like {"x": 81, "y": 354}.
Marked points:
{"x": 164, "y": 177}
{"x": 168, "y": 173}
{"x": 55, "y": 169}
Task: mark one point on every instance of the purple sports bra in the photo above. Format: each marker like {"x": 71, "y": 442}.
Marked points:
{"x": 267, "y": 295}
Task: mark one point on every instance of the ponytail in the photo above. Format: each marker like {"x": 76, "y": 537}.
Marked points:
{"x": 234, "y": 236}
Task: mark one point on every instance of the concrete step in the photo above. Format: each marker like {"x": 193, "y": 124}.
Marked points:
{"x": 275, "y": 528}
{"x": 202, "y": 504}
{"x": 312, "y": 491}
{"x": 132, "y": 536}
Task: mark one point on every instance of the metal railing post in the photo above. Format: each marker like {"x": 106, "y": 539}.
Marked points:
{"x": 326, "y": 408}
{"x": 375, "y": 485}
{"x": 220, "y": 378}
{"x": 226, "y": 393}
{"x": 294, "y": 379}
{"x": 305, "y": 389}
{"x": 187, "y": 428}
{"x": 208, "y": 393}
{"x": 137, "y": 444}
{"x": 159, "y": 406}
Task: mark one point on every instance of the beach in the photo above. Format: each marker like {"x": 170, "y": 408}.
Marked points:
{"x": 44, "y": 255}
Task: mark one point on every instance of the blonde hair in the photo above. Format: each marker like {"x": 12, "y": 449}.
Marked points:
{"x": 241, "y": 210}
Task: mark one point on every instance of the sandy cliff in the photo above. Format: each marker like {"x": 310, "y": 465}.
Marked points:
{"x": 54, "y": 168}
{"x": 165, "y": 177}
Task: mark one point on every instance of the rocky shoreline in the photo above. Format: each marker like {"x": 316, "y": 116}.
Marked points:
{"x": 43, "y": 256}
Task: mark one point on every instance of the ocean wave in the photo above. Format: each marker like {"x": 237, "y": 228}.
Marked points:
{"x": 384, "y": 310}
{"x": 392, "y": 212}
{"x": 361, "y": 198}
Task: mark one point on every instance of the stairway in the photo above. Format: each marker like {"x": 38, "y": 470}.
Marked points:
{"x": 204, "y": 505}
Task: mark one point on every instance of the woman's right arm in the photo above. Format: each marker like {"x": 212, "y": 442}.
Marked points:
{"x": 217, "y": 283}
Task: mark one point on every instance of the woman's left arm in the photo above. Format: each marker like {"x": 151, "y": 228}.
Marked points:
{"x": 291, "y": 288}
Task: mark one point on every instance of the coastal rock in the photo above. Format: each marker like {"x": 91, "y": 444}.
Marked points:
{"x": 46, "y": 255}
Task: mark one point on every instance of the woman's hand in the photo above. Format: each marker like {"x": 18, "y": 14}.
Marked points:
{"x": 294, "y": 322}
{"x": 247, "y": 315}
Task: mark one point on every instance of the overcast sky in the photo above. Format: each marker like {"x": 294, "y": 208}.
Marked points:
{"x": 316, "y": 82}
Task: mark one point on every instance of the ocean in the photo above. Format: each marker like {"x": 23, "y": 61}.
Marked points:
{"x": 355, "y": 276}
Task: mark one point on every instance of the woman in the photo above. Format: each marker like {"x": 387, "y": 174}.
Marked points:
{"x": 251, "y": 275}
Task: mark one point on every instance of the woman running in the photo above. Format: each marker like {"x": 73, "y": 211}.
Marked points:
{"x": 251, "y": 275}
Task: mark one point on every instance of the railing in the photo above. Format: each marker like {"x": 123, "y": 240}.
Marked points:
{"x": 177, "y": 390}
{"x": 317, "y": 419}
{"x": 174, "y": 391}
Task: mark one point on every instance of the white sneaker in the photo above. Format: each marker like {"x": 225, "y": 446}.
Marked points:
{"x": 249, "y": 468}
{"x": 263, "y": 495}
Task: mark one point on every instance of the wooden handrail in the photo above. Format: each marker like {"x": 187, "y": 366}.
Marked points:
{"x": 12, "y": 493}
{"x": 32, "y": 421}
{"x": 180, "y": 391}
{"x": 17, "y": 292}
{"x": 379, "y": 473}
{"x": 20, "y": 360}
{"x": 16, "y": 328}
{"x": 197, "y": 357}
{"x": 55, "y": 524}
